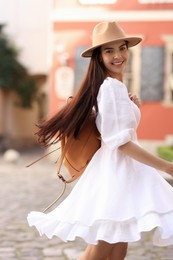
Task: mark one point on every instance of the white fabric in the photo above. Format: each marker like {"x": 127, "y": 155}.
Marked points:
{"x": 117, "y": 197}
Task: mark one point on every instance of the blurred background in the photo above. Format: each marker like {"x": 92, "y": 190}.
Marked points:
{"x": 40, "y": 67}
{"x": 40, "y": 63}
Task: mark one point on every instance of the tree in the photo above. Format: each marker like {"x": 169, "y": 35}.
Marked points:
{"x": 14, "y": 75}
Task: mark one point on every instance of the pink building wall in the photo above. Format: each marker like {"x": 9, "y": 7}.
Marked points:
{"x": 157, "y": 119}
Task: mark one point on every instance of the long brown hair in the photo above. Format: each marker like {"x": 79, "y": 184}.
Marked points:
{"x": 71, "y": 118}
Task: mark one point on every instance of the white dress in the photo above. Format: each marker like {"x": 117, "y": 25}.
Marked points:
{"x": 117, "y": 197}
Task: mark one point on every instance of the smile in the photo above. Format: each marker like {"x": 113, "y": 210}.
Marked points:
{"x": 117, "y": 63}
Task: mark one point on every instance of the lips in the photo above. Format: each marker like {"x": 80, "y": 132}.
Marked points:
{"x": 117, "y": 63}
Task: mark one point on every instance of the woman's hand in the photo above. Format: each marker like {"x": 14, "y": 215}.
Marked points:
{"x": 135, "y": 99}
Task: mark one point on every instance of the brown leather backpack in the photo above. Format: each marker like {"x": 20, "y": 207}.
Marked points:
{"x": 77, "y": 153}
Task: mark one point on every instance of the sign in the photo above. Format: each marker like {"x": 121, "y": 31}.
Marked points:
{"x": 64, "y": 82}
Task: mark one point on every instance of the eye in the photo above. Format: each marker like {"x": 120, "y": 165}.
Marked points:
{"x": 108, "y": 51}
{"x": 123, "y": 48}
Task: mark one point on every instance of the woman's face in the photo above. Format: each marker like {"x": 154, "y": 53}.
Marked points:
{"x": 115, "y": 56}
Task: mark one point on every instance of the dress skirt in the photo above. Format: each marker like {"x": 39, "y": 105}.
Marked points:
{"x": 117, "y": 198}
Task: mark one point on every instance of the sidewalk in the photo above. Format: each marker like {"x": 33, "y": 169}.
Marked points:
{"x": 25, "y": 189}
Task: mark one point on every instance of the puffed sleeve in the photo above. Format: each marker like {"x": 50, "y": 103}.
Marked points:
{"x": 115, "y": 120}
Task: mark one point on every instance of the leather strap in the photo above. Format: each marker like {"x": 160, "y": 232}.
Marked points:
{"x": 42, "y": 157}
{"x": 66, "y": 146}
{"x": 64, "y": 188}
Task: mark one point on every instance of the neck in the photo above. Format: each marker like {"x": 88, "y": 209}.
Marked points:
{"x": 116, "y": 76}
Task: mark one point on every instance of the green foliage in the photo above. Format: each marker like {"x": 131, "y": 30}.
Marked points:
{"x": 13, "y": 75}
{"x": 165, "y": 152}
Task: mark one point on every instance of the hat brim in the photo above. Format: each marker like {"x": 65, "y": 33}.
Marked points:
{"x": 132, "y": 41}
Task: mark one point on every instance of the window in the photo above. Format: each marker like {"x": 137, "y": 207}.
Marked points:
{"x": 132, "y": 73}
{"x": 128, "y": 76}
{"x": 168, "y": 81}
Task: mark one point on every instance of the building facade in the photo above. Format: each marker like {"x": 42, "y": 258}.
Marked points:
{"x": 150, "y": 70}
{"x": 27, "y": 24}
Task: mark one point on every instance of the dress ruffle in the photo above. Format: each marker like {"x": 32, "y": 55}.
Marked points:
{"x": 107, "y": 230}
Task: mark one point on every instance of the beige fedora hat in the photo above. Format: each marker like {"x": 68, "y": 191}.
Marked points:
{"x": 108, "y": 32}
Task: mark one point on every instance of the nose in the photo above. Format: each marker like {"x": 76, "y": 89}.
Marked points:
{"x": 117, "y": 54}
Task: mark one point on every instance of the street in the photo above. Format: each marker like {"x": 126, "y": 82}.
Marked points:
{"x": 26, "y": 189}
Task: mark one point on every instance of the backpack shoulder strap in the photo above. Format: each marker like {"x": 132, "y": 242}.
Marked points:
{"x": 42, "y": 157}
{"x": 65, "y": 146}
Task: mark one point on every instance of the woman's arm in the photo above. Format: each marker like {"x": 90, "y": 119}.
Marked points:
{"x": 139, "y": 154}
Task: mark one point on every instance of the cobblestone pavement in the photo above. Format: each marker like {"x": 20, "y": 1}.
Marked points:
{"x": 23, "y": 190}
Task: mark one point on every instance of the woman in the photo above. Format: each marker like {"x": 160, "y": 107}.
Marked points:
{"x": 120, "y": 194}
